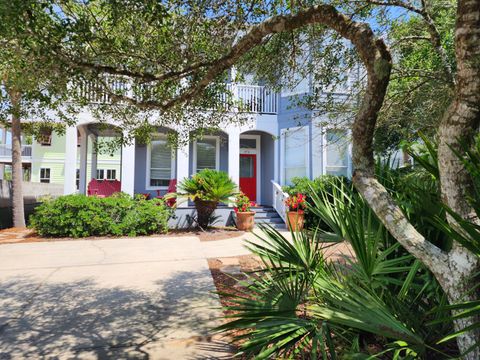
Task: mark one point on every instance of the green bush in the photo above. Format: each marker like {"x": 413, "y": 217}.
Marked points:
{"x": 81, "y": 216}
{"x": 303, "y": 185}
{"x": 208, "y": 185}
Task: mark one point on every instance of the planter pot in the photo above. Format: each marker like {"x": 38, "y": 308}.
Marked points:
{"x": 205, "y": 210}
{"x": 295, "y": 220}
{"x": 245, "y": 220}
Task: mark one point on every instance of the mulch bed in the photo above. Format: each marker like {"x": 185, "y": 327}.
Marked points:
{"x": 24, "y": 235}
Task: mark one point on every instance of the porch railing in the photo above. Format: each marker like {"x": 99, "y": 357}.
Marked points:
{"x": 279, "y": 197}
{"x": 6, "y": 151}
{"x": 252, "y": 98}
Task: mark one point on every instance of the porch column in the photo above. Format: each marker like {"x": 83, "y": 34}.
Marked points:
{"x": 234, "y": 155}
{"x": 276, "y": 162}
{"x": 82, "y": 188}
{"x": 93, "y": 165}
{"x": 70, "y": 164}
{"x": 128, "y": 168}
{"x": 182, "y": 166}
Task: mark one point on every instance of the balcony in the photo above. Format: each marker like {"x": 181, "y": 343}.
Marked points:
{"x": 252, "y": 98}
{"x": 6, "y": 152}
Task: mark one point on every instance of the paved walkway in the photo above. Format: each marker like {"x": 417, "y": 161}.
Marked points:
{"x": 123, "y": 298}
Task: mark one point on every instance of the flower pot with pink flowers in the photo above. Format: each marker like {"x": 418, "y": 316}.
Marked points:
{"x": 296, "y": 211}
{"x": 245, "y": 217}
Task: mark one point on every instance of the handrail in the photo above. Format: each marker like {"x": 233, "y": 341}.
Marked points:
{"x": 279, "y": 198}
{"x": 252, "y": 98}
{"x": 6, "y": 150}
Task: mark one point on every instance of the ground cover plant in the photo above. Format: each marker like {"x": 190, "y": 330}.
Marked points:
{"x": 81, "y": 216}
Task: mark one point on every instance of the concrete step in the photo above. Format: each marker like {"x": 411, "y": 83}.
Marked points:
{"x": 261, "y": 209}
{"x": 266, "y": 215}
{"x": 270, "y": 221}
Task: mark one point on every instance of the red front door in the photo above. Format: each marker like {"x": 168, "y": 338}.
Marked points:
{"x": 248, "y": 175}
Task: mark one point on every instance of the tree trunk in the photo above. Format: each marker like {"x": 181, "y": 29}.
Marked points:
{"x": 17, "y": 171}
{"x": 453, "y": 270}
{"x": 457, "y": 128}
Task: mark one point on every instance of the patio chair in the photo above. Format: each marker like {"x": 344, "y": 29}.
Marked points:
{"x": 172, "y": 187}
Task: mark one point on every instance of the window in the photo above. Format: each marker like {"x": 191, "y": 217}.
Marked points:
{"x": 336, "y": 148}
{"x": 207, "y": 153}
{"x": 160, "y": 163}
{"x": 100, "y": 174}
{"x": 295, "y": 153}
{"x": 111, "y": 174}
{"x": 77, "y": 178}
{"x": 248, "y": 143}
{"x": 44, "y": 175}
{"x": 45, "y": 138}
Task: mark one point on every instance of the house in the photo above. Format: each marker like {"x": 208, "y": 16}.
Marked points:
{"x": 43, "y": 159}
{"x": 279, "y": 141}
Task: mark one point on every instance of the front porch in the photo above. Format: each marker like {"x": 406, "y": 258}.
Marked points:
{"x": 250, "y": 157}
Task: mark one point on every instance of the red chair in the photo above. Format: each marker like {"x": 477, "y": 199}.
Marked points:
{"x": 172, "y": 188}
{"x": 103, "y": 188}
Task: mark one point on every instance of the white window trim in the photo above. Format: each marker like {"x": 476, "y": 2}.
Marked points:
{"x": 106, "y": 174}
{"x": 283, "y": 133}
{"x": 258, "y": 153}
{"x": 217, "y": 152}
{"x": 96, "y": 175}
{"x": 325, "y": 147}
{"x": 149, "y": 156}
{"x": 45, "y": 178}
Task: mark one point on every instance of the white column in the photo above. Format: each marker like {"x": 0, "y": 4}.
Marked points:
{"x": 93, "y": 165}
{"x": 182, "y": 166}
{"x": 234, "y": 155}
{"x": 70, "y": 167}
{"x": 83, "y": 160}
{"x": 276, "y": 160}
{"x": 128, "y": 168}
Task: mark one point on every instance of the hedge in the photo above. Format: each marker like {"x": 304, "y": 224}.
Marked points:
{"x": 80, "y": 216}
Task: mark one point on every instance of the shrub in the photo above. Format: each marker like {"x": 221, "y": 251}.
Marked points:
{"x": 81, "y": 216}
{"x": 208, "y": 185}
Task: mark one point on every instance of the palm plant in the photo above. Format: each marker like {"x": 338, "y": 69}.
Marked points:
{"x": 302, "y": 304}
{"x": 207, "y": 189}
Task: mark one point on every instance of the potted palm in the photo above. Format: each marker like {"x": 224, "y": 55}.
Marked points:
{"x": 245, "y": 217}
{"x": 296, "y": 214}
{"x": 207, "y": 189}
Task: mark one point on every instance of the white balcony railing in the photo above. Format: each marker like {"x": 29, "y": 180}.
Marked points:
{"x": 6, "y": 151}
{"x": 257, "y": 99}
{"x": 279, "y": 198}
{"x": 252, "y": 98}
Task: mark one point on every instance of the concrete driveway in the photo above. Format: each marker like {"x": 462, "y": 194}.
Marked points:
{"x": 131, "y": 298}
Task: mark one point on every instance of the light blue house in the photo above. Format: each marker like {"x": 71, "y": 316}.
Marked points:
{"x": 278, "y": 141}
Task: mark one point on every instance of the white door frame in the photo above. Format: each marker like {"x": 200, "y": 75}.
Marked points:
{"x": 257, "y": 152}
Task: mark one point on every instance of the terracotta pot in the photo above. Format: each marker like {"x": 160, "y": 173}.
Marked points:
{"x": 205, "y": 210}
{"x": 295, "y": 220}
{"x": 245, "y": 220}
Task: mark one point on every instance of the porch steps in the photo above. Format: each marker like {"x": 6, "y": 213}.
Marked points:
{"x": 268, "y": 215}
